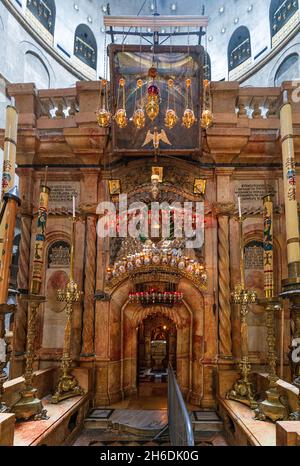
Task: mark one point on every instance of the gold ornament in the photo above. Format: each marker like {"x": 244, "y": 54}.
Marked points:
{"x": 139, "y": 119}
{"x": 171, "y": 118}
{"x": 103, "y": 114}
{"x": 188, "y": 119}
{"x": 152, "y": 107}
{"x": 121, "y": 118}
{"x": 103, "y": 118}
{"x": 206, "y": 119}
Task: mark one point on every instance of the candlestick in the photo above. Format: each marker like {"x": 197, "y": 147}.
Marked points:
{"x": 30, "y": 406}
{"x": 240, "y": 207}
{"x": 271, "y": 408}
{"x": 74, "y": 207}
{"x": 243, "y": 390}
{"x": 68, "y": 386}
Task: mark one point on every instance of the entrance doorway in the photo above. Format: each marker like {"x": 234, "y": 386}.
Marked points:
{"x": 157, "y": 342}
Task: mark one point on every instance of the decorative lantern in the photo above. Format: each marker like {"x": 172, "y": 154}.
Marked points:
{"x": 189, "y": 118}
{"x": 121, "y": 116}
{"x": 103, "y": 113}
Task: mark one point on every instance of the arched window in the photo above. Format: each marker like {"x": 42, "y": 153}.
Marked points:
{"x": 85, "y": 46}
{"x": 239, "y": 49}
{"x": 281, "y": 13}
{"x": 288, "y": 70}
{"x": 44, "y": 11}
{"x": 207, "y": 66}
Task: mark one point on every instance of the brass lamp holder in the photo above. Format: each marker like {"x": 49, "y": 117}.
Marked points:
{"x": 30, "y": 407}
{"x": 67, "y": 386}
{"x": 243, "y": 390}
{"x": 4, "y": 309}
{"x": 272, "y": 407}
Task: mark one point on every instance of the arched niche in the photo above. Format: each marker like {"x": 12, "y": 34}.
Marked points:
{"x": 85, "y": 46}
{"x": 57, "y": 269}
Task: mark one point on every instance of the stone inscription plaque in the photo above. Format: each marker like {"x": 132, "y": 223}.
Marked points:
{"x": 253, "y": 192}
{"x": 62, "y": 194}
{"x": 254, "y": 256}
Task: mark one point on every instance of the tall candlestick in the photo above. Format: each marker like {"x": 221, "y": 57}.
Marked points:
{"x": 9, "y": 220}
{"x": 74, "y": 207}
{"x": 289, "y": 178}
{"x": 40, "y": 241}
{"x": 268, "y": 247}
{"x": 10, "y": 142}
{"x": 240, "y": 207}
{"x": 9, "y": 162}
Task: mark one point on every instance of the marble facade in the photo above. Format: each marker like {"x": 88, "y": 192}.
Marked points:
{"x": 241, "y": 156}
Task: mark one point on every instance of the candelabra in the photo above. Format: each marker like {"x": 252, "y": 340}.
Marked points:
{"x": 68, "y": 386}
{"x": 243, "y": 390}
{"x": 30, "y": 406}
{"x": 272, "y": 407}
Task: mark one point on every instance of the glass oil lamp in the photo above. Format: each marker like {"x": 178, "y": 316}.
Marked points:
{"x": 139, "y": 117}
{"x": 121, "y": 116}
{"x": 189, "y": 118}
{"x": 103, "y": 114}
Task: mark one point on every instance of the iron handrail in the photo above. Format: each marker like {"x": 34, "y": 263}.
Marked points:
{"x": 180, "y": 425}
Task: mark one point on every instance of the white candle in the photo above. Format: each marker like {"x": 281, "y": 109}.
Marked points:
{"x": 240, "y": 207}
{"x": 2, "y": 350}
{"x": 74, "y": 210}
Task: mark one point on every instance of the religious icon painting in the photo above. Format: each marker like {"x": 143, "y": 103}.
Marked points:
{"x": 158, "y": 171}
{"x": 200, "y": 186}
{"x": 114, "y": 187}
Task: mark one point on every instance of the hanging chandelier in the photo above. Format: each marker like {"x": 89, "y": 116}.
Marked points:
{"x": 152, "y": 257}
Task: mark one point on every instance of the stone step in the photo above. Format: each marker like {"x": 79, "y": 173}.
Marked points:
{"x": 207, "y": 421}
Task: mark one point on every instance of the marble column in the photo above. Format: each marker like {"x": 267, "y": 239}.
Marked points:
{"x": 89, "y": 288}
{"x": 223, "y": 212}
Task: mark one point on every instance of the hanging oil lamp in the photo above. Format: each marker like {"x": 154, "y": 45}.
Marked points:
{"x": 153, "y": 99}
{"x": 121, "y": 116}
{"x": 139, "y": 118}
{"x": 189, "y": 118}
{"x": 103, "y": 114}
{"x": 207, "y": 116}
{"x": 171, "y": 118}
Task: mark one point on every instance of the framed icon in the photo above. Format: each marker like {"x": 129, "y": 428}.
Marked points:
{"x": 158, "y": 171}
{"x": 114, "y": 187}
{"x": 200, "y": 186}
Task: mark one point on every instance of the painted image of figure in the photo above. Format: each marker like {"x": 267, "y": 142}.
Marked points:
{"x": 42, "y": 220}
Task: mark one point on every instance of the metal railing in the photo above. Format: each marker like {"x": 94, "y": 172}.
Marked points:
{"x": 180, "y": 425}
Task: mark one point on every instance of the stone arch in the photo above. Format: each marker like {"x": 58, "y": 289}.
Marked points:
{"x": 29, "y": 48}
{"x": 123, "y": 321}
